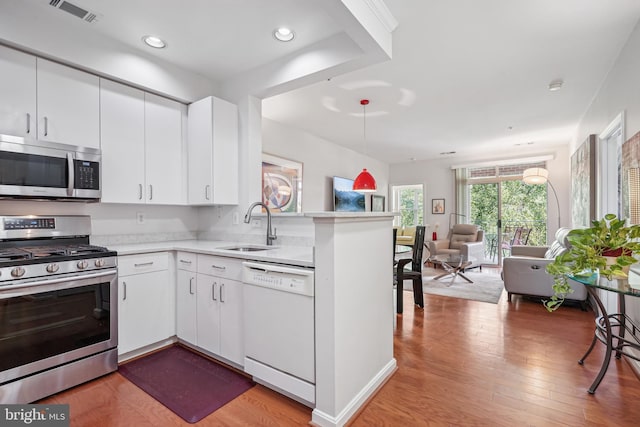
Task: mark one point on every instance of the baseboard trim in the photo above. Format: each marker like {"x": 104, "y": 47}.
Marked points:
{"x": 322, "y": 419}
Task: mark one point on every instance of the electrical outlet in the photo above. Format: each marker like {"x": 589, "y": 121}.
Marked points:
{"x": 235, "y": 218}
{"x": 256, "y": 223}
{"x": 140, "y": 217}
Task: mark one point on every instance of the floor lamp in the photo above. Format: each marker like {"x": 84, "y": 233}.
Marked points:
{"x": 540, "y": 176}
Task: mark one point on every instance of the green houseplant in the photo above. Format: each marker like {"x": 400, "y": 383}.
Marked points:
{"x": 607, "y": 247}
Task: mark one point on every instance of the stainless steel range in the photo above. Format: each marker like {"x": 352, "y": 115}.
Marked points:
{"x": 58, "y": 306}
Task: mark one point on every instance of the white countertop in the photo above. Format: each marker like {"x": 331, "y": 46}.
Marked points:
{"x": 293, "y": 255}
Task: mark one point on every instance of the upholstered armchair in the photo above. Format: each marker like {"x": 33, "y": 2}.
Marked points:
{"x": 463, "y": 239}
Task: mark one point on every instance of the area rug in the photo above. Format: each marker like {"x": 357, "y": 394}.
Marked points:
{"x": 485, "y": 287}
{"x": 186, "y": 383}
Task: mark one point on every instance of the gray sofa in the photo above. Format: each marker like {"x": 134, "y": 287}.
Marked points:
{"x": 524, "y": 272}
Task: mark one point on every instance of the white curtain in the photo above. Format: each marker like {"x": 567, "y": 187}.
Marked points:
{"x": 461, "y": 176}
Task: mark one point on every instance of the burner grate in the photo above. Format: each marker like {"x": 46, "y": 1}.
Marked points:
{"x": 13, "y": 254}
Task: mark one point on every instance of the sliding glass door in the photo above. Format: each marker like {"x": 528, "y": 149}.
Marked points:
{"x": 485, "y": 213}
{"x": 508, "y": 210}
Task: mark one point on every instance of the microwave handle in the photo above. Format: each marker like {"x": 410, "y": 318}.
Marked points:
{"x": 71, "y": 175}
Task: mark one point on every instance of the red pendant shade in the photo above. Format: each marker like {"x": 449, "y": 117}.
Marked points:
{"x": 364, "y": 182}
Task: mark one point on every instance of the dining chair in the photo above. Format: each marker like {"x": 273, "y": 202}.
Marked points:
{"x": 414, "y": 273}
{"x": 395, "y": 236}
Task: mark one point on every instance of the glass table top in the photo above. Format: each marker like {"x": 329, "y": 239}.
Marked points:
{"x": 627, "y": 286}
{"x": 449, "y": 258}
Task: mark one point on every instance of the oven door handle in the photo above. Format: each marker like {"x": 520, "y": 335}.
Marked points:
{"x": 57, "y": 280}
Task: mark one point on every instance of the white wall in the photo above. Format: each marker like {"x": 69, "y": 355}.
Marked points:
{"x": 620, "y": 92}
{"x": 439, "y": 183}
{"x": 322, "y": 160}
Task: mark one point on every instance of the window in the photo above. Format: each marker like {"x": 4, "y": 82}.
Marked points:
{"x": 408, "y": 201}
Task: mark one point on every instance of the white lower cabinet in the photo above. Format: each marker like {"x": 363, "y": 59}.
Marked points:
{"x": 217, "y": 306}
{"x": 220, "y": 316}
{"x": 146, "y": 307}
{"x": 186, "y": 297}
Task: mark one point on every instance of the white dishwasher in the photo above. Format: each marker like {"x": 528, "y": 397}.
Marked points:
{"x": 279, "y": 323}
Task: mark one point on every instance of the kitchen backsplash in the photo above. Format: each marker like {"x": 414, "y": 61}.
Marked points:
{"x": 126, "y": 239}
{"x": 282, "y": 240}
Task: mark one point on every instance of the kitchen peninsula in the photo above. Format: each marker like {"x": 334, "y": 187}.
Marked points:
{"x": 353, "y": 303}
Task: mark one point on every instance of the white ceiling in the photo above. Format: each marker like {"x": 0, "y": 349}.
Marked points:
{"x": 216, "y": 38}
{"x": 463, "y": 71}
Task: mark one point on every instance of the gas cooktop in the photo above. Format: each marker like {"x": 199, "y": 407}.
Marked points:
{"x": 46, "y": 252}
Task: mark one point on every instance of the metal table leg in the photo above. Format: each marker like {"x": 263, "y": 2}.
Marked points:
{"x": 609, "y": 341}
{"x": 622, "y": 321}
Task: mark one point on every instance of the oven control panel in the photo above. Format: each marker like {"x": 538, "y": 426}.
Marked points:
{"x": 29, "y": 223}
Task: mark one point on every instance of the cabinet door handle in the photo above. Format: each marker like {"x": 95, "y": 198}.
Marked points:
{"x": 124, "y": 289}
{"x": 219, "y": 267}
{"x": 206, "y": 191}
{"x": 221, "y": 292}
{"x": 150, "y": 191}
{"x": 28, "y": 123}
{"x": 139, "y": 191}
{"x": 191, "y": 285}
{"x": 186, "y": 261}
{"x": 46, "y": 126}
{"x": 213, "y": 291}
{"x": 143, "y": 264}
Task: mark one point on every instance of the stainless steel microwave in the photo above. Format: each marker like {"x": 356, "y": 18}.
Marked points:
{"x": 44, "y": 170}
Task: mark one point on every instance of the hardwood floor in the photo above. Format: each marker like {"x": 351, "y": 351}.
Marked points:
{"x": 460, "y": 363}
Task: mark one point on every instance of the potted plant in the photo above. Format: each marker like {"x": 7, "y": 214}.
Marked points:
{"x": 606, "y": 248}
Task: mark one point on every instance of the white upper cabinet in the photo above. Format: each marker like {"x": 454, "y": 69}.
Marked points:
{"x": 122, "y": 135}
{"x": 142, "y": 146}
{"x": 17, "y": 93}
{"x": 212, "y": 152}
{"x": 68, "y": 105}
{"x": 163, "y": 150}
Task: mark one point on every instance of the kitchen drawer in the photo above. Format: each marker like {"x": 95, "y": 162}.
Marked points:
{"x": 142, "y": 263}
{"x": 229, "y": 268}
{"x": 186, "y": 261}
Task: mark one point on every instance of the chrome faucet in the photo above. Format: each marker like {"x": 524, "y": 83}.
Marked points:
{"x": 247, "y": 218}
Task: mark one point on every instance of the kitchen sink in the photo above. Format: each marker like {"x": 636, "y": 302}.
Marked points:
{"x": 246, "y": 248}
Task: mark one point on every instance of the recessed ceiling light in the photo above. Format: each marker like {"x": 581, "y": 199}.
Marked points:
{"x": 555, "y": 85}
{"x": 283, "y": 34}
{"x": 155, "y": 42}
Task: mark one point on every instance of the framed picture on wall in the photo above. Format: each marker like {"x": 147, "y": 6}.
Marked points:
{"x": 437, "y": 206}
{"x": 344, "y": 198}
{"x": 377, "y": 203}
{"x": 583, "y": 183}
{"x": 281, "y": 184}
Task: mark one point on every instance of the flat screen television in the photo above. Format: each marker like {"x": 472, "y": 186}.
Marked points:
{"x": 344, "y": 198}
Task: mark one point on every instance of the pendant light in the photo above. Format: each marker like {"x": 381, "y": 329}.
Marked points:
{"x": 364, "y": 182}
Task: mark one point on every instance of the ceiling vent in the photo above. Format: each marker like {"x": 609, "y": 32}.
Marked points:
{"x": 74, "y": 10}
